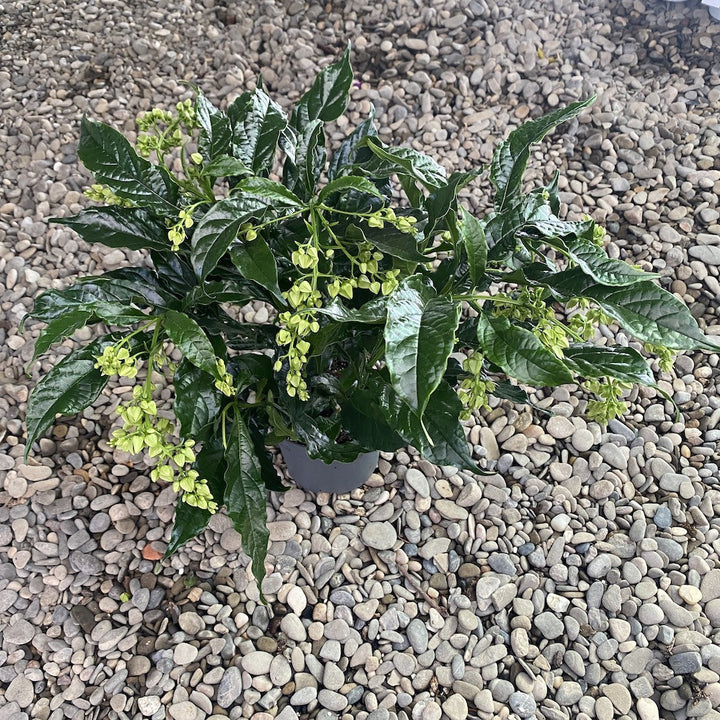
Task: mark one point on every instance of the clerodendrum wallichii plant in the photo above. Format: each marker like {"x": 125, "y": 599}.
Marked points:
{"x": 372, "y": 298}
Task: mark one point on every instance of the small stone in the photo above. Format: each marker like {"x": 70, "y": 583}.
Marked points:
{"x": 148, "y": 705}
{"x": 85, "y": 563}
{"x": 549, "y": 625}
{"x": 257, "y": 662}
{"x": 417, "y": 634}
{"x": 663, "y": 517}
{"x": 690, "y": 594}
{"x": 184, "y": 711}
{"x": 19, "y": 633}
{"x": 293, "y": 627}
{"x": 582, "y": 440}
{"x": 418, "y": 482}
{"x": 379, "y": 535}
{"x": 686, "y": 663}
{"x": 191, "y": 623}
{"x": 21, "y": 691}
{"x": 184, "y": 654}
{"x": 710, "y": 585}
{"x": 707, "y": 254}
{"x": 331, "y": 700}
{"x": 231, "y": 540}
{"x": 619, "y": 696}
{"x": 560, "y": 522}
{"x": 138, "y": 665}
{"x": 560, "y": 427}
{"x": 522, "y": 704}
{"x": 297, "y": 600}
{"x": 568, "y": 693}
{"x": 230, "y": 687}
{"x": 600, "y": 566}
{"x": 303, "y": 696}
{"x": 455, "y": 707}
{"x": 647, "y": 709}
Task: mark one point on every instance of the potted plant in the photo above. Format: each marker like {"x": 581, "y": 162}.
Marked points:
{"x": 387, "y": 320}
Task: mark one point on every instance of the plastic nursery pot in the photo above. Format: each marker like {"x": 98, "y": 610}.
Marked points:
{"x": 318, "y": 476}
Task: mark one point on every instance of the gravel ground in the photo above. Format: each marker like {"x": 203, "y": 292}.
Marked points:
{"x": 581, "y": 581}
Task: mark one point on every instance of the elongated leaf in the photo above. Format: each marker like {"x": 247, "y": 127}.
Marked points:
{"x": 652, "y": 315}
{"x": 140, "y": 284}
{"x": 419, "y": 337}
{"x": 328, "y": 97}
{"x": 502, "y": 228}
{"x": 72, "y": 385}
{"x": 472, "y": 236}
{"x": 257, "y": 122}
{"x": 346, "y": 183}
{"x": 218, "y": 228}
{"x": 439, "y": 203}
{"x": 372, "y": 312}
{"x": 197, "y": 401}
{"x": 607, "y": 271}
{"x": 404, "y": 161}
{"x": 226, "y": 166}
{"x": 351, "y": 150}
{"x": 511, "y": 156}
{"x": 623, "y": 363}
{"x": 390, "y": 241}
{"x": 132, "y": 228}
{"x": 191, "y": 340}
{"x": 216, "y": 131}
{"x": 219, "y": 291}
{"x": 111, "y": 159}
{"x": 59, "y": 328}
{"x": 269, "y": 190}
{"x": 448, "y": 445}
{"x": 104, "y": 301}
{"x": 363, "y": 417}
{"x": 507, "y": 391}
{"x": 255, "y": 260}
{"x": 246, "y": 497}
{"x": 303, "y": 173}
{"x": 188, "y": 523}
{"x": 519, "y": 353}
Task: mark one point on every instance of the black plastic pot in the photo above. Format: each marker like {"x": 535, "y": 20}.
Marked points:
{"x": 318, "y": 476}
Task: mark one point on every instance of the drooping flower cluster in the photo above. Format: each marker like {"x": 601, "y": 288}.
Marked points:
{"x": 609, "y": 405}
{"x": 144, "y": 430}
{"x": 475, "y": 388}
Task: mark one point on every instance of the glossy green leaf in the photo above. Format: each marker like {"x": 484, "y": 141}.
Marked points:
{"x": 302, "y": 174}
{"x": 188, "y": 523}
{"x": 197, "y": 401}
{"x": 607, "y": 271}
{"x": 328, "y": 97}
{"x": 652, "y": 315}
{"x": 447, "y": 444}
{"x": 372, "y": 312}
{"x": 246, "y": 497}
{"x": 502, "y": 228}
{"x": 404, "y": 161}
{"x": 215, "y": 130}
{"x": 419, "y": 337}
{"x": 623, "y": 363}
{"x": 352, "y": 150}
{"x": 218, "y": 228}
{"x": 191, "y": 340}
{"x": 519, "y": 353}
{"x": 388, "y": 240}
{"x": 442, "y": 200}
{"x": 219, "y": 291}
{"x": 226, "y": 166}
{"x": 59, "y": 328}
{"x": 363, "y": 417}
{"x": 72, "y": 385}
{"x": 105, "y": 301}
{"x": 346, "y": 183}
{"x": 269, "y": 191}
{"x": 132, "y": 228}
{"x": 472, "y": 237}
{"x": 511, "y": 156}
{"x": 108, "y": 155}
{"x": 256, "y": 261}
{"x": 505, "y": 390}
{"x": 257, "y": 122}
